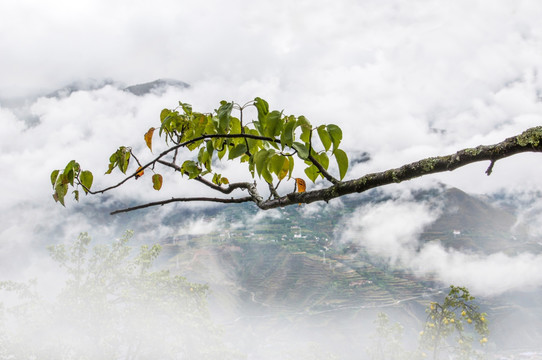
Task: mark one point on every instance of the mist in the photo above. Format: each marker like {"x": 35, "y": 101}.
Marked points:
{"x": 404, "y": 81}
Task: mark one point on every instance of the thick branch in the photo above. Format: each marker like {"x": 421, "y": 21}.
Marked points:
{"x": 529, "y": 141}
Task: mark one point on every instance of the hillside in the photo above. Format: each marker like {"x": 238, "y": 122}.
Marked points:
{"x": 288, "y": 264}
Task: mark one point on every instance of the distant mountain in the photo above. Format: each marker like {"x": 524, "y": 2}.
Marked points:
{"x": 81, "y": 85}
{"x": 155, "y": 86}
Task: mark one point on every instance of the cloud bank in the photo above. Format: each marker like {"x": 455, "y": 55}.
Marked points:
{"x": 391, "y": 231}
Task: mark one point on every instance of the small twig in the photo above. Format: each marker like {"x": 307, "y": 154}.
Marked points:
{"x": 323, "y": 171}
{"x": 273, "y": 192}
{"x": 164, "y": 202}
{"x": 490, "y": 168}
{"x": 224, "y": 190}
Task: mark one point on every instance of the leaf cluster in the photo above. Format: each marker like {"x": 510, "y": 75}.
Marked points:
{"x": 269, "y": 145}
{"x": 447, "y": 323}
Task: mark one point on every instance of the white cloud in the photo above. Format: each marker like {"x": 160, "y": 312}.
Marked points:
{"x": 391, "y": 230}
{"x": 389, "y": 73}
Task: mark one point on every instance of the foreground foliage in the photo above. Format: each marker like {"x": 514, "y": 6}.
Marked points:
{"x": 112, "y": 306}
{"x": 449, "y": 331}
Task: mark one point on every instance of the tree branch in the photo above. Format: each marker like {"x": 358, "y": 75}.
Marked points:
{"x": 528, "y": 141}
{"x": 226, "y": 190}
{"x": 164, "y": 202}
{"x": 183, "y": 144}
{"x": 323, "y": 171}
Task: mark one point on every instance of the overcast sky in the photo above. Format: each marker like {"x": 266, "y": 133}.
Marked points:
{"x": 404, "y": 80}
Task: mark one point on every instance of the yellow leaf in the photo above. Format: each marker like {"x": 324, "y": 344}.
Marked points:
{"x": 148, "y": 138}
{"x": 139, "y": 172}
{"x": 285, "y": 168}
{"x": 224, "y": 181}
{"x": 301, "y": 186}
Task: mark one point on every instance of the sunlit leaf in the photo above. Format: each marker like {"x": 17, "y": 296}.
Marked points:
{"x": 260, "y": 159}
{"x": 305, "y": 128}
{"x": 274, "y": 124}
{"x": 187, "y": 108}
{"x": 157, "y": 181}
{"x": 342, "y": 162}
{"x": 290, "y": 166}
{"x": 312, "y": 173}
{"x": 224, "y": 115}
{"x": 148, "y": 138}
{"x": 336, "y": 135}
{"x": 86, "y": 179}
{"x": 276, "y": 164}
{"x": 285, "y": 168}
{"x": 267, "y": 175}
{"x": 325, "y": 138}
{"x": 323, "y": 160}
{"x": 262, "y": 106}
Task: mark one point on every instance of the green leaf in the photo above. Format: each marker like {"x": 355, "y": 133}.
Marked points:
{"x": 287, "y": 135}
{"x": 290, "y": 166}
{"x": 323, "y": 160}
{"x": 274, "y": 124}
{"x": 312, "y": 173}
{"x": 76, "y": 195}
{"x": 302, "y": 150}
{"x": 285, "y": 169}
{"x": 210, "y": 148}
{"x": 276, "y": 164}
{"x": 61, "y": 190}
{"x": 224, "y": 116}
{"x": 336, "y": 135}
{"x": 262, "y": 106}
{"x": 157, "y": 181}
{"x": 260, "y": 160}
{"x": 237, "y": 151}
{"x": 86, "y": 179}
{"x": 235, "y": 126}
{"x": 124, "y": 159}
{"x": 191, "y": 168}
{"x": 342, "y": 162}
{"x": 267, "y": 175}
{"x": 71, "y": 170}
{"x": 187, "y": 108}
{"x": 54, "y": 176}
{"x": 306, "y": 128}
{"x": 325, "y": 138}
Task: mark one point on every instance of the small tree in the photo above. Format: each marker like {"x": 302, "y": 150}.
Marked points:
{"x": 269, "y": 146}
{"x": 112, "y": 306}
{"x": 445, "y": 330}
{"x": 387, "y": 340}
